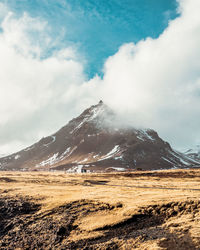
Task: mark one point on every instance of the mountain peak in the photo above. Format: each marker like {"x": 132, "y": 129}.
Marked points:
{"x": 94, "y": 140}
{"x": 99, "y": 113}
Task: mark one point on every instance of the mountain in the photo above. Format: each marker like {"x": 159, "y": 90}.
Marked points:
{"x": 193, "y": 153}
{"x": 97, "y": 141}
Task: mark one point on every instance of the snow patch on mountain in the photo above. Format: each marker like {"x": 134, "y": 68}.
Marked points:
{"x": 184, "y": 159}
{"x": 50, "y": 161}
{"x": 66, "y": 151}
{"x": 193, "y": 152}
{"x": 119, "y": 157}
{"x": 86, "y": 159}
{"x": 111, "y": 153}
{"x": 143, "y": 135}
{"x": 29, "y": 148}
{"x": 53, "y": 140}
{"x": 92, "y": 135}
{"x": 95, "y": 156}
{"x": 165, "y": 159}
{"x": 17, "y": 157}
{"x": 93, "y": 113}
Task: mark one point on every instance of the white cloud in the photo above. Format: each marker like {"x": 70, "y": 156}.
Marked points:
{"x": 33, "y": 90}
{"x": 154, "y": 83}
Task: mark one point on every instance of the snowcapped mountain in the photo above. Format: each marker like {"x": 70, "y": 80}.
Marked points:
{"x": 97, "y": 141}
{"x": 194, "y": 153}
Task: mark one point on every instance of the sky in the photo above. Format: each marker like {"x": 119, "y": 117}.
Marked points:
{"x": 142, "y": 57}
{"x": 98, "y": 28}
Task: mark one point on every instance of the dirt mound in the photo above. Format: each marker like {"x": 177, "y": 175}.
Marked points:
{"x": 10, "y": 209}
{"x": 144, "y": 226}
{"x": 23, "y": 225}
{"x": 156, "y": 215}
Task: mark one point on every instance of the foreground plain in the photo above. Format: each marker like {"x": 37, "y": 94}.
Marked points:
{"x": 139, "y": 210}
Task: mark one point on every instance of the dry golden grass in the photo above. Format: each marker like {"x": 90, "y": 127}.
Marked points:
{"x": 132, "y": 190}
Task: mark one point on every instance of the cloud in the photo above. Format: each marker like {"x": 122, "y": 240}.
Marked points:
{"x": 154, "y": 83}
{"x": 35, "y": 91}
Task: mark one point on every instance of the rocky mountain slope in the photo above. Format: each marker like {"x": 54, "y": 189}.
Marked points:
{"x": 96, "y": 141}
{"x": 194, "y": 153}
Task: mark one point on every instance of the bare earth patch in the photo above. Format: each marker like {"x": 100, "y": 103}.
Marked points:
{"x": 141, "y": 210}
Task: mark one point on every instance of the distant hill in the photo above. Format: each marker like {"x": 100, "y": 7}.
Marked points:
{"x": 194, "y": 153}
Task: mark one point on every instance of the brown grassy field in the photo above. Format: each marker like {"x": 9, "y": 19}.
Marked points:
{"x": 140, "y": 210}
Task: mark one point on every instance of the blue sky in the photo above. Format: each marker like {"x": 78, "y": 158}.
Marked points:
{"x": 97, "y": 28}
